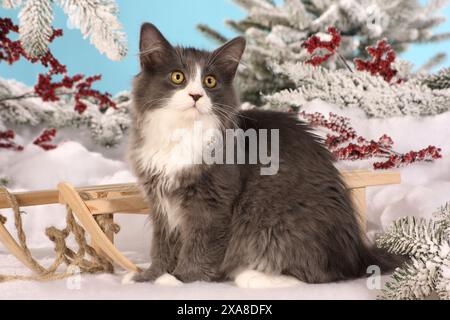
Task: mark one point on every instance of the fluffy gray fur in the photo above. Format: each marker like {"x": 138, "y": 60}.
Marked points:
{"x": 299, "y": 222}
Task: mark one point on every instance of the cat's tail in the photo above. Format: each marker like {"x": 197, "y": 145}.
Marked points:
{"x": 382, "y": 259}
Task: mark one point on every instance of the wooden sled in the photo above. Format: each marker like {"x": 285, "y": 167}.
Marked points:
{"x": 86, "y": 202}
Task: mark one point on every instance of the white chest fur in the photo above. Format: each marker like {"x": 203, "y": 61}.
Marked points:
{"x": 174, "y": 138}
{"x": 171, "y": 145}
{"x": 173, "y": 142}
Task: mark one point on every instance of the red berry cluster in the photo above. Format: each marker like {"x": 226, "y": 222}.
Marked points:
{"x": 45, "y": 138}
{"x": 359, "y": 148}
{"x": 314, "y": 43}
{"x": 7, "y": 141}
{"x": 427, "y": 154}
{"x": 382, "y": 58}
{"x": 79, "y": 86}
{"x": 10, "y": 51}
{"x": 382, "y": 55}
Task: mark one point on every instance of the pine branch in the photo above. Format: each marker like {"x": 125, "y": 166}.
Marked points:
{"x": 246, "y": 24}
{"x": 427, "y": 243}
{"x": 11, "y": 4}
{"x": 106, "y": 129}
{"x": 433, "y": 62}
{"x": 98, "y": 20}
{"x": 439, "y": 81}
{"x": 235, "y": 26}
{"x": 212, "y": 34}
{"x": 30, "y": 95}
{"x": 277, "y": 29}
{"x": 249, "y": 4}
{"x": 442, "y": 215}
{"x": 412, "y": 236}
{"x": 444, "y": 36}
{"x": 35, "y": 25}
{"x": 415, "y": 280}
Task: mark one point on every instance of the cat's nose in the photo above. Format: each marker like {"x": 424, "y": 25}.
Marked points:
{"x": 195, "y": 96}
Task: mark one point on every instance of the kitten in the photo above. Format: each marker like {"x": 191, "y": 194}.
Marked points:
{"x": 216, "y": 222}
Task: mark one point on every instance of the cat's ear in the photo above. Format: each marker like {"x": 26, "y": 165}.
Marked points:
{"x": 229, "y": 55}
{"x": 154, "y": 49}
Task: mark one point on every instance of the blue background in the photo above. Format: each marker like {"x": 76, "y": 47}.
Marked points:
{"x": 176, "y": 19}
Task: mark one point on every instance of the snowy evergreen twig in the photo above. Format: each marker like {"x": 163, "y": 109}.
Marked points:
{"x": 79, "y": 86}
{"x": 97, "y": 19}
{"x": 373, "y": 95}
{"x": 275, "y": 33}
{"x": 106, "y": 128}
{"x": 439, "y": 81}
{"x": 36, "y": 18}
{"x": 434, "y": 61}
{"x": 427, "y": 243}
{"x": 212, "y": 34}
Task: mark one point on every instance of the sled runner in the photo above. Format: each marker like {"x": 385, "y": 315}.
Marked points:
{"x": 88, "y": 202}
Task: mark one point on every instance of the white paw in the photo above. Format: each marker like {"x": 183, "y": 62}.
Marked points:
{"x": 168, "y": 280}
{"x": 128, "y": 278}
{"x": 252, "y": 279}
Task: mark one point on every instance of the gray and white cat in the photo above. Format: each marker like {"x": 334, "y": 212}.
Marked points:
{"x": 218, "y": 222}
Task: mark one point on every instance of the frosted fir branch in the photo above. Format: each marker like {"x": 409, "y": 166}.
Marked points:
{"x": 413, "y": 281}
{"x": 444, "y": 36}
{"x": 439, "y": 81}
{"x": 442, "y": 215}
{"x": 434, "y": 61}
{"x": 106, "y": 128}
{"x": 11, "y": 4}
{"x": 361, "y": 23}
{"x": 35, "y": 26}
{"x": 434, "y": 5}
{"x": 249, "y": 4}
{"x": 48, "y": 89}
{"x": 97, "y": 19}
{"x": 212, "y": 34}
{"x": 376, "y": 97}
{"x": 427, "y": 244}
{"x": 413, "y": 237}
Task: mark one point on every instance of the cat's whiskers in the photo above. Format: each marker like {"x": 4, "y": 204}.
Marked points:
{"x": 147, "y": 103}
{"x": 233, "y": 110}
{"x": 228, "y": 117}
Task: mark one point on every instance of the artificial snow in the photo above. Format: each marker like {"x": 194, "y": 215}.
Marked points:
{"x": 424, "y": 187}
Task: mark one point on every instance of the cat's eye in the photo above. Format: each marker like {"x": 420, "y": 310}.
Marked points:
{"x": 210, "y": 82}
{"x": 177, "y": 77}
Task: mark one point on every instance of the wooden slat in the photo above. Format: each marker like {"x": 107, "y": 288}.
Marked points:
{"x": 31, "y": 198}
{"x": 42, "y": 197}
{"x": 81, "y": 211}
{"x": 126, "y": 204}
{"x": 359, "y": 179}
{"x": 12, "y": 246}
{"x": 353, "y": 179}
{"x": 359, "y": 201}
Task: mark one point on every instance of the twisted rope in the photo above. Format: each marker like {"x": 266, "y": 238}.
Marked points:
{"x": 64, "y": 255}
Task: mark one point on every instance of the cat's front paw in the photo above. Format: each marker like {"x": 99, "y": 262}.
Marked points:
{"x": 168, "y": 280}
{"x": 190, "y": 275}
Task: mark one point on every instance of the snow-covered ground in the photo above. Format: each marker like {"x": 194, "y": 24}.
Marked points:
{"x": 424, "y": 187}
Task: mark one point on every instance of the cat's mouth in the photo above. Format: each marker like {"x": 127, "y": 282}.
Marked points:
{"x": 195, "y": 109}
